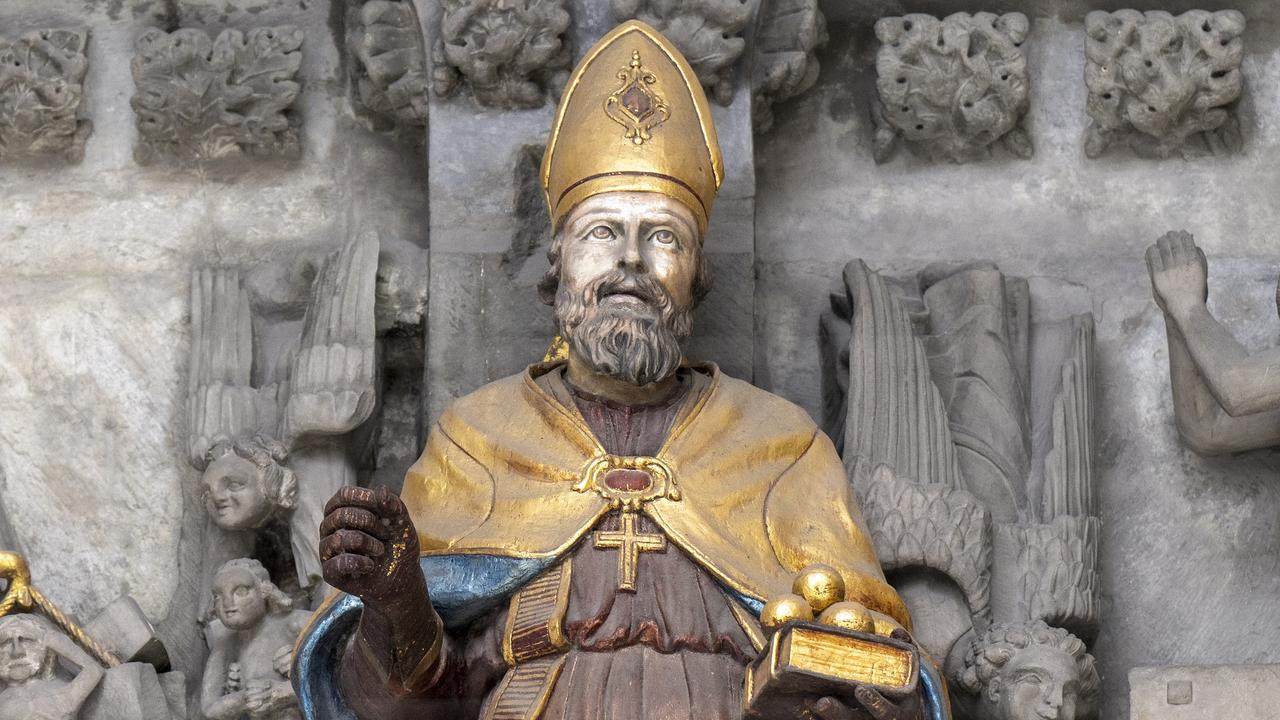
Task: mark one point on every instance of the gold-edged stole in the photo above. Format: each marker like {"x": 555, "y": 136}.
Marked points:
{"x": 533, "y": 646}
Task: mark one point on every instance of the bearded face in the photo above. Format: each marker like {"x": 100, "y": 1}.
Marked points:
{"x": 628, "y": 263}
{"x": 24, "y": 656}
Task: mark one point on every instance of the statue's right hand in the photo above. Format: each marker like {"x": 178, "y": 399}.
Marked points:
{"x": 369, "y": 546}
{"x": 1179, "y": 273}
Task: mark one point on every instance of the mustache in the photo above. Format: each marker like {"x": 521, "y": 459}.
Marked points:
{"x": 621, "y": 282}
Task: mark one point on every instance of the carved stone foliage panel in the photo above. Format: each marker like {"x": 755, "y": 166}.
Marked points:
{"x": 510, "y": 55}
{"x": 385, "y": 40}
{"x": 41, "y": 89}
{"x": 1164, "y": 85}
{"x": 952, "y": 89}
{"x": 708, "y": 32}
{"x": 787, "y": 37}
{"x": 201, "y": 98}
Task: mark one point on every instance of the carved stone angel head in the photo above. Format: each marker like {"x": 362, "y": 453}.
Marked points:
{"x": 1031, "y": 671}
{"x": 246, "y": 483}
{"x": 24, "y": 652}
{"x": 243, "y": 595}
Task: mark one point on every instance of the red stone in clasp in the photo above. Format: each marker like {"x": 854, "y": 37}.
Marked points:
{"x": 628, "y": 480}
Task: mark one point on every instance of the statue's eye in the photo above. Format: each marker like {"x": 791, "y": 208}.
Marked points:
{"x": 602, "y": 232}
{"x": 664, "y": 237}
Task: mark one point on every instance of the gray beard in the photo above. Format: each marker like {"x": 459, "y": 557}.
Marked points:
{"x": 637, "y": 348}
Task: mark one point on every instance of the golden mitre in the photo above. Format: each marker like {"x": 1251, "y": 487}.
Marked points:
{"x": 634, "y": 118}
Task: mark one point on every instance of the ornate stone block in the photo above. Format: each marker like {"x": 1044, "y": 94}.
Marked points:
{"x": 953, "y": 88}
{"x": 390, "y": 62}
{"x": 41, "y": 87}
{"x": 708, "y": 32}
{"x": 1204, "y": 692}
{"x": 200, "y": 98}
{"x": 1163, "y": 84}
{"x": 510, "y": 55}
{"x": 787, "y": 36}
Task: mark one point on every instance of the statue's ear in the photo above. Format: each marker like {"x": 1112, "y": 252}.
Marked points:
{"x": 993, "y": 690}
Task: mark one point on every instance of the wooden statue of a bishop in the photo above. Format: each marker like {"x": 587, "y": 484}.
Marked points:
{"x": 619, "y": 533}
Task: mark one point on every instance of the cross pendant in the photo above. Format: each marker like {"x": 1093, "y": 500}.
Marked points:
{"x": 629, "y": 545}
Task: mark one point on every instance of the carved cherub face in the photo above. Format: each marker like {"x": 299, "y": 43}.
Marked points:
{"x": 24, "y": 655}
{"x": 630, "y": 270}
{"x": 1039, "y": 682}
{"x": 236, "y": 493}
{"x": 238, "y": 599}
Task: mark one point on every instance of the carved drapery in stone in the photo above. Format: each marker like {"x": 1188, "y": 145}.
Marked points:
{"x": 708, "y": 32}
{"x": 787, "y": 37}
{"x": 952, "y": 88}
{"x": 390, "y": 81}
{"x": 509, "y": 55}
{"x": 200, "y": 98}
{"x": 1163, "y": 84}
{"x": 41, "y": 88}
{"x": 277, "y": 422}
{"x": 966, "y": 423}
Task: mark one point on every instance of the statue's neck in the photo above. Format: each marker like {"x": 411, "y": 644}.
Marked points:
{"x": 582, "y": 377}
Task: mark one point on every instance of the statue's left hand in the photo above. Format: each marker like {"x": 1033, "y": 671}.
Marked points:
{"x": 875, "y": 705}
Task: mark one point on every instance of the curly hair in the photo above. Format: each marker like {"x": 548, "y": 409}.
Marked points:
{"x": 268, "y": 456}
{"x": 990, "y": 651}
{"x": 550, "y": 281}
{"x": 278, "y": 603}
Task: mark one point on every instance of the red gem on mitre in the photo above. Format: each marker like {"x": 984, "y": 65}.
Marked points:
{"x": 636, "y": 100}
{"x": 628, "y": 480}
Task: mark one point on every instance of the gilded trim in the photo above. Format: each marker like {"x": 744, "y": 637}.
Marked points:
{"x": 535, "y": 620}
{"x": 525, "y": 690}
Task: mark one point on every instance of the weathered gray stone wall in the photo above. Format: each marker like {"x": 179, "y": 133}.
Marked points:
{"x": 1190, "y": 545}
{"x": 95, "y": 263}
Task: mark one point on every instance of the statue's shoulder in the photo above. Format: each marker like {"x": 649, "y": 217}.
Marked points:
{"x": 502, "y": 404}
{"x": 759, "y": 407}
{"x": 488, "y": 403}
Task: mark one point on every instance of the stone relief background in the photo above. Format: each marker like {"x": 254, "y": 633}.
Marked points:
{"x": 96, "y": 260}
{"x": 1169, "y": 517}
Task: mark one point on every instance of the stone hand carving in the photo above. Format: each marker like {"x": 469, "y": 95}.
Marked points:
{"x": 1225, "y": 398}
{"x": 391, "y": 77}
{"x": 33, "y": 686}
{"x": 200, "y": 98}
{"x": 41, "y": 86}
{"x": 274, "y": 446}
{"x": 1163, "y": 84}
{"x": 1030, "y": 671}
{"x": 952, "y": 88}
{"x": 787, "y": 36}
{"x": 985, "y": 475}
{"x": 708, "y": 32}
{"x": 250, "y": 647}
{"x": 510, "y": 54}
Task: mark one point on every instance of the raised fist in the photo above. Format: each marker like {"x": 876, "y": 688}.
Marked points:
{"x": 1179, "y": 273}
{"x": 369, "y": 546}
